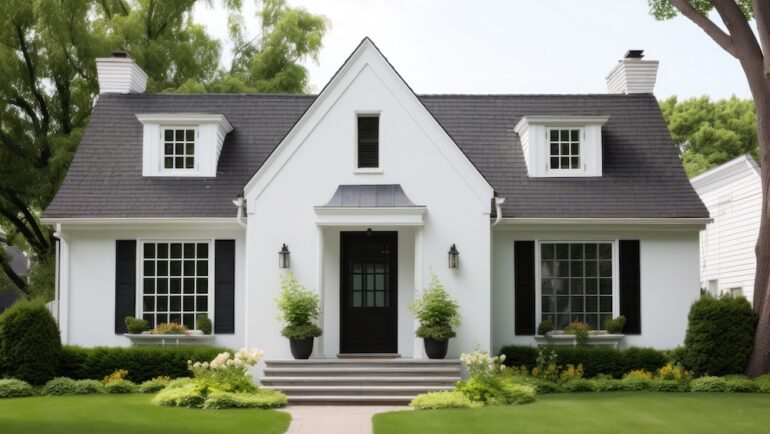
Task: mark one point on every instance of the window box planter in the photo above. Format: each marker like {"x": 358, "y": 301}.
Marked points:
{"x": 597, "y": 338}
{"x": 196, "y": 337}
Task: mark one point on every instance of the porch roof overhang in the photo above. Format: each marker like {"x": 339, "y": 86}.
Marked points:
{"x": 370, "y": 205}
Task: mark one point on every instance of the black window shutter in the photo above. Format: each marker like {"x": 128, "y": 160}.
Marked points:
{"x": 524, "y": 286}
{"x": 630, "y": 286}
{"x": 224, "y": 286}
{"x": 368, "y": 141}
{"x": 125, "y": 283}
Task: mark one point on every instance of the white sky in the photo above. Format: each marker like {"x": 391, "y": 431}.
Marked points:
{"x": 513, "y": 46}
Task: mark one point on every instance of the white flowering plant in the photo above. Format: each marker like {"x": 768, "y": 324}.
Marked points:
{"x": 481, "y": 364}
{"x": 227, "y": 372}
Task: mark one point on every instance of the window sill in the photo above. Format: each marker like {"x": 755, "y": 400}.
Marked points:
{"x": 599, "y": 339}
{"x": 168, "y": 340}
{"x": 368, "y": 171}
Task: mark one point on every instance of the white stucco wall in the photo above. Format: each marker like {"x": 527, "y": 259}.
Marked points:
{"x": 91, "y": 280}
{"x": 282, "y": 212}
{"x": 669, "y": 278}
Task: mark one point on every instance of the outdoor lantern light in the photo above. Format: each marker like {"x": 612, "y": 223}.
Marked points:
{"x": 454, "y": 257}
{"x": 283, "y": 257}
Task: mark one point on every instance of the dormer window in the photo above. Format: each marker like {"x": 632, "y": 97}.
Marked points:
{"x": 179, "y": 148}
{"x": 562, "y": 146}
{"x": 182, "y": 144}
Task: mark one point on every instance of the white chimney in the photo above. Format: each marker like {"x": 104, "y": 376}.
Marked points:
{"x": 632, "y": 74}
{"x": 120, "y": 74}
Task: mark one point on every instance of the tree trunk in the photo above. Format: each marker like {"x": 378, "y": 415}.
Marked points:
{"x": 760, "y": 358}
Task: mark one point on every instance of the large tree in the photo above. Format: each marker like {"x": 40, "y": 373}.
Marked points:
{"x": 48, "y": 86}
{"x": 708, "y": 133}
{"x": 752, "y": 50}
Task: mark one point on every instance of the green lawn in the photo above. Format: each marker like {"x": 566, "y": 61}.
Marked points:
{"x": 124, "y": 414}
{"x": 617, "y": 412}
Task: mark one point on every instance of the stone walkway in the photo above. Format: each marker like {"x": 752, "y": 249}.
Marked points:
{"x": 334, "y": 419}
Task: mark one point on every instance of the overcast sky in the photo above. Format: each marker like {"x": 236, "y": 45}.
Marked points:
{"x": 512, "y": 46}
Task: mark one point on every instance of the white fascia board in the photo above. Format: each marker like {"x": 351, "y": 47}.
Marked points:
{"x": 89, "y": 222}
{"x": 736, "y": 165}
{"x": 560, "y": 120}
{"x": 185, "y": 119}
{"x": 374, "y": 216}
{"x": 368, "y": 54}
{"x": 658, "y": 222}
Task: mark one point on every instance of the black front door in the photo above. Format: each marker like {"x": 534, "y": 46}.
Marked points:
{"x": 368, "y": 292}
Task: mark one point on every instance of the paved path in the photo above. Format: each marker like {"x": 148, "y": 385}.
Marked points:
{"x": 334, "y": 419}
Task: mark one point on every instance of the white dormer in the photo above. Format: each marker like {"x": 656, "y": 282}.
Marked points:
{"x": 562, "y": 146}
{"x": 182, "y": 144}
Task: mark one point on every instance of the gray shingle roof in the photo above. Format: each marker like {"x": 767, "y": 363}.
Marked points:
{"x": 364, "y": 196}
{"x": 642, "y": 178}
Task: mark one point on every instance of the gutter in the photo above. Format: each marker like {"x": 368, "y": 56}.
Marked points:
{"x": 239, "y": 202}
{"x": 499, "y": 201}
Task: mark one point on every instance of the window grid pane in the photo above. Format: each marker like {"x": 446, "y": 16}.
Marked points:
{"x": 175, "y": 280}
{"x": 179, "y": 149}
{"x": 564, "y": 146}
{"x": 576, "y": 283}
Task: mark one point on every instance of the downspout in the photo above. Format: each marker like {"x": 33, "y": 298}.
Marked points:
{"x": 499, "y": 201}
{"x": 62, "y": 283}
{"x": 239, "y": 202}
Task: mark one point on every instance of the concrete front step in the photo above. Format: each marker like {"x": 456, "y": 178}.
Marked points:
{"x": 351, "y": 400}
{"x": 364, "y": 363}
{"x": 361, "y": 372}
{"x": 411, "y": 391}
{"x": 360, "y": 381}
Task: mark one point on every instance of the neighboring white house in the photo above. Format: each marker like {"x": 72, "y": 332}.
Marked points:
{"x": 569, "y": 207}
{"x": 732, "y": 193}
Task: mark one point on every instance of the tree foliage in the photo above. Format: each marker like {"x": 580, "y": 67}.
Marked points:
{"x": 48, "y": 85}
{"x": 709, "y": 133}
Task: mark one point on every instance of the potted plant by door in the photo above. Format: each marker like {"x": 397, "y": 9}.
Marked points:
{"x": 437, "y": 313}
{"x": 299, "y": 308}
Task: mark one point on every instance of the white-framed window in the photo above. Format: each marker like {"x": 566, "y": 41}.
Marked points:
{"x": 576, "y": 282}
{"x": 564, "y": 149}
{"x": 178, "y": 148}
{"x": 176, "y": 281}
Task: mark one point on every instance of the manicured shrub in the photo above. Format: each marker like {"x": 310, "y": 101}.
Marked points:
{"x": 763, "y": 383}
{"x": 675, "y": 356}
{"x": 438, "y": 400}
{"x": 659, "y": 385}
{"x": 518, "y": 393}
{"x": 262, "y": 398}
{"x": 709, "y": 384}
{"x": 615, "y": 325}
{"x": 674, "y": 373}
{"x": 741, "y": 385}
{"x": 545, "y": 326}
{"x": 60, "y": 386}
{"x": 204, "y": 324}
{"x": 493, "y": 390}
{"x": 121, "y": 386}
{"x": 189, "y": 395}
{"x": 179, "y": 382}
{"x": 142, "y": 363}
{"x": 607, "y": 384}
{"x": 30, "y": 346}
{"x": 579, "y": 385}
{"x": 636, "y": 384}
{"x": 595, "y": 360}
{"x": 12, "y": 388}
{"x": 89, "y": 387}
{"x": 720, "y": 335}
{"x": 155, "y": 385}
{"x": 540, "y": 385}
{"x": 136, "y": 325}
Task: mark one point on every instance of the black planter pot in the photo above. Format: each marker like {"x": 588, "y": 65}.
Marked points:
{"x": 301, "y": 348}
{"x": 436, "y": 349}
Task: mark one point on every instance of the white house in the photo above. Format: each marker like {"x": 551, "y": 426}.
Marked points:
{"x": 732, "y": 193}
{"x": 569, "y": 207}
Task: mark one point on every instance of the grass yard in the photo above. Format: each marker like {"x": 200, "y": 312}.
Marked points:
{"x": 615, "y": 412}
{"x": 129, "y": 414}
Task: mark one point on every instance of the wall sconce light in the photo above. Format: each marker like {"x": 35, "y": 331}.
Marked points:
{"x": 454, "y": 257}
{"x": 283, "y": 257}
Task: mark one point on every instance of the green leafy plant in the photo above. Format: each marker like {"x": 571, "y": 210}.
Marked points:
{"x": 709, "y": 384}
{"x": 720, "y": 335}
{"x": 604, "y": 384}
{"x": 30, "y": 346}
{"x": 545, "y": 326}
{"x": 117, "y": 375}
{"x": 299, "y": 309}
{"x": 443, "y": 399}
{"x": 60, "y": 386}
{"x": 155, "y": 385}
{"x": 170, "y": 328}
{"x": 136, "y": 325}
{"x": 580, "y": 330}
{"x": 121, "y": 386}
{"x": 741, "y": 384}
{"x": 12, "y": 388}
{"x": 494, "y": 390}
{"x": 579, "y": 385}
{"x": 436, "y": 312}
{"x": 547, "y": 368}
{"x": 262, "y": 398}
{"x": 204, "y": 324}
{"x": 615, "y": 325}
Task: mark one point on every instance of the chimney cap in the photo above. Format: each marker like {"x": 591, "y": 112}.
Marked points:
{"x": 634, "y": 54}
{"x": 120, "y": 54}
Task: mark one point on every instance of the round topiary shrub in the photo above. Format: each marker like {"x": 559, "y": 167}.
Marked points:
{"x": 709, "y": 384}
{"x": 720, "y": 335}
{"x": 30, "y": 346}
{"x": 121, "y": 386}
{"x": 60, "y": 386}
{"x": 12, "y": 388}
